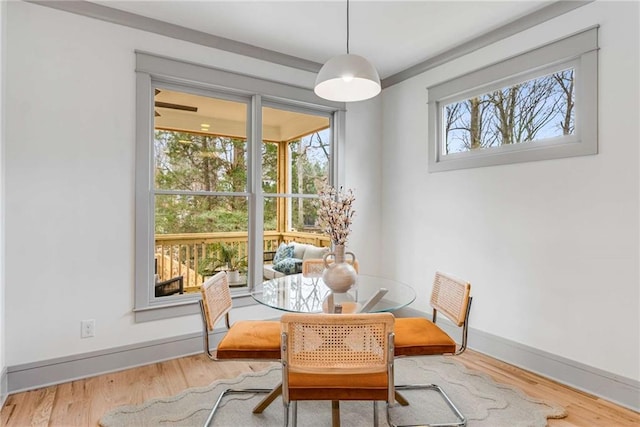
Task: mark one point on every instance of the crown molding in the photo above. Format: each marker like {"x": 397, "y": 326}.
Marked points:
{"x": 531, "y": 20}
{"x": 132, "y": 20}
{"x": 115, "y": 16}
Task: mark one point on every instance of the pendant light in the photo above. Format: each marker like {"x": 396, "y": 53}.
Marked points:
{"x": 348, "y": 77}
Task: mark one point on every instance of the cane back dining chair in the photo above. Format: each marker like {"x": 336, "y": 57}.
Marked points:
{"x": 417, "y": 336}
{"x": 246, "y": 339}
{"x": 313, "y": 267}
{"x": 337, "y": 357}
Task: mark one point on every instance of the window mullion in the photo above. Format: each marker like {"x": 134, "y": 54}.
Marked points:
{"x": 256, "y": 204}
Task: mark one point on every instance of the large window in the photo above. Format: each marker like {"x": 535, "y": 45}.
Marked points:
{"x": 227, "y": 169}
{"x": 539, "y": 105}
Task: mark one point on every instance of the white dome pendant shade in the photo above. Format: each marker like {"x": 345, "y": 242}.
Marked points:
{"x": 347, "y": 78}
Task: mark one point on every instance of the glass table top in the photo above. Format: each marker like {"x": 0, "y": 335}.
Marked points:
{"x": 309, "y": 294}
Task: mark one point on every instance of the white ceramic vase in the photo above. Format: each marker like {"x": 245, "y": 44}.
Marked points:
{"x": 339, "y": 275}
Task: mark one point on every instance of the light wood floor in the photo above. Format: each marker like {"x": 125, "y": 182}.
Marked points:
{"x": 83, "y": 402}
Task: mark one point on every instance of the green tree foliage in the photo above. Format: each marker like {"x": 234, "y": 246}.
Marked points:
{"x": 209, "y": 163}
{"x": 269, "y": 183}
{"x": 196, "y": 162}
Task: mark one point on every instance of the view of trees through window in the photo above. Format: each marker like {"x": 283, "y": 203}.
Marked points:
{"x": 205, "y": 163}
{"x": 197, "y": 163}
{"x": 308, "y": 166}
{"x": 536, "y": 109}
{"x": 202, "y": 187}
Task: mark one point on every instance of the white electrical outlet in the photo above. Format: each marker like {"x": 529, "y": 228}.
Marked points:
{"x": 87, "y": 328}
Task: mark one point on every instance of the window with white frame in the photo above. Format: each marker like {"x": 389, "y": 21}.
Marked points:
{"x": 535, "y": 106}
{"x": 226, "y": 169}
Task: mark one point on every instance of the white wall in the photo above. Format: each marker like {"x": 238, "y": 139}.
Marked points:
{"x": 550, "y": 247}
{"x": 363, "y": 175}
{"x": 70, "y": 179}
{"x": 3, "y": 25}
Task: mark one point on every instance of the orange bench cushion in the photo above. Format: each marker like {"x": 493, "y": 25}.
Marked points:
{"x": 251, "y": 339}
{"x": 417, "y": 336}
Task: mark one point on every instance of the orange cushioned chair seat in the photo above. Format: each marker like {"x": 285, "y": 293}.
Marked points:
{"x": 417, "y": 336}
{"x": 342, "y": 386}
{"x": 251, "y": 339}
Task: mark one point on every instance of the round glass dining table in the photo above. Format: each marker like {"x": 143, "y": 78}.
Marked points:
{"x": 308, "y": 294}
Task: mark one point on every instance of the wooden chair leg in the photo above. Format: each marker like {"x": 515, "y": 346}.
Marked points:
{"x": 401, "y": 399}
{"x": 335, "y": 413}
{"x": 262, "y": 405}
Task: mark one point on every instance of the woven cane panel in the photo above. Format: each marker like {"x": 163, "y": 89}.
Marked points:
{"x": 312, "y": 267}
{"x": 216, "y": 298}
{"x": 342, "y": 343}
{"x": 450, "y": 297}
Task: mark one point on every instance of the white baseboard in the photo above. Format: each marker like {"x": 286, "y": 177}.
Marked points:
{"x": 44, "y": 373}
{"x": 614, "y": 388}
{"x": 609, "y": 386}
{"x": 4, "y": 387}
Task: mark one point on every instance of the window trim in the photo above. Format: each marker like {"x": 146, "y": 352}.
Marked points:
{"x": 580, "y": 51}
{"x": 152, "y": 70}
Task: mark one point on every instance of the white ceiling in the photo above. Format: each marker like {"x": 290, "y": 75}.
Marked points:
{"x": 393, "y": 35}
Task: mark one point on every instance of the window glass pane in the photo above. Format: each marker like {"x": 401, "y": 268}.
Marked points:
{"x": 300, "y": 225}
{"x": 197, "y": 162}
{"x": 199, "y": 146}
{"x": 200, "y": 143}
{"x": 296, "y": 151}
{"x": 197, "y": 236}
{"x": 270, "y": 167}
{"x": 534, "y": 110}
{"x": 303, "y": 215}
{"x": 309, "y": 162}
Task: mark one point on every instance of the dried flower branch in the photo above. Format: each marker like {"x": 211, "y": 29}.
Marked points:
{"x": 335, "y": 212}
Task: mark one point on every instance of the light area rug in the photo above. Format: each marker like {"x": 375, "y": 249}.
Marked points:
{"x": 484, "y": 402}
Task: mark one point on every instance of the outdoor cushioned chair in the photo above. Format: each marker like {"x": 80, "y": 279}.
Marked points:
{"x": 246, "y": 339}
{"x": 417, "y": 336}
{"x": 175, "y": 285}
{"x": 337, "y": 357}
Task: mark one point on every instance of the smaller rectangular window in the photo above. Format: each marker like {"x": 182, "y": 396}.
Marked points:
{"x": 535, "y": 106}
{"x": 534, "y": 110}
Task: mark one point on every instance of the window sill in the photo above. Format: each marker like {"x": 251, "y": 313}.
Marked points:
{"x": 184, "y": 308}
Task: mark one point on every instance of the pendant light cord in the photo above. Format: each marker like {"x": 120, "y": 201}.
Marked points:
{"x": 347, "y": 26}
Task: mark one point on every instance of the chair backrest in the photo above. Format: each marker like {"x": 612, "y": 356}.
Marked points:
{"x": 313, "y": 267}
{"x": 450, "y": 296}
{"x": 337, "y": 343}
{"x": 216, "y": 298}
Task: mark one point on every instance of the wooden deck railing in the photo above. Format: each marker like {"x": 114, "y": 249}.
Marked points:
{"x": 182, "y": 254}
